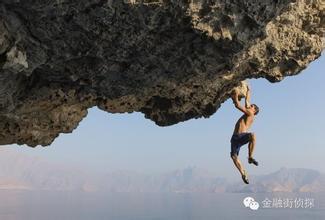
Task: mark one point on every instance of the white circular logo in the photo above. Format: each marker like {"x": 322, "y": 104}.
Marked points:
{"x": 251, "y": 203}
{"x": 254, "y": 205}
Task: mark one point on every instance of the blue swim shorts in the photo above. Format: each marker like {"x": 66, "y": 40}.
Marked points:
{"x": 238, "y": 140}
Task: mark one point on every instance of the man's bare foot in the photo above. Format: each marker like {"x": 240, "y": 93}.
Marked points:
{"x": 245, "y": 178}
{"x": 253, "y": 161}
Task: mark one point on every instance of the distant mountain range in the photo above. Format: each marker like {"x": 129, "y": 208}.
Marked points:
{"x": 284, "y": 180}
{"x": 22, "y": 172}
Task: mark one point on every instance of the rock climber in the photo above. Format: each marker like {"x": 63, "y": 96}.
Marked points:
{"x": 241, "y": 136}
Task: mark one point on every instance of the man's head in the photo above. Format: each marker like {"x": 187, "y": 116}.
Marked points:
{"x": 255, "y": 108}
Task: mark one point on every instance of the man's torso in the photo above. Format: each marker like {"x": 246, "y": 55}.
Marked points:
{"x": 243, "y": 124}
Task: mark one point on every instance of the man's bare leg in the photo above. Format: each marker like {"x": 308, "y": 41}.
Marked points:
{"x": 251, "y": 146}
{"x": 240, "y": 168}
{"x": 238, "y": 164}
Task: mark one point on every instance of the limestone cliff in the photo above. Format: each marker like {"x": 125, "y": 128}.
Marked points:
{"x": 173, "y": 60}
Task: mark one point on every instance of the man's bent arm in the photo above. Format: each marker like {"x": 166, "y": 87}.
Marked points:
{"x": 238, "y": 105}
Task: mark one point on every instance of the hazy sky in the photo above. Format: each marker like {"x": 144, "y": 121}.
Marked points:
{"x": 289, "y": 128}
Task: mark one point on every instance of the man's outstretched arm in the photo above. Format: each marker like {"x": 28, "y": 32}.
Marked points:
{"x": 248, "y": 98}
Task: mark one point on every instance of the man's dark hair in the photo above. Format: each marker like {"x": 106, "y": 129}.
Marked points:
{"x": 257, "y": 109}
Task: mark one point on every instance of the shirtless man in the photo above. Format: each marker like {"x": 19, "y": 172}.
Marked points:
{"x": 241, "y": 136}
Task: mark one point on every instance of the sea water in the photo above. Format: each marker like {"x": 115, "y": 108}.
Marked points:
{"x": 45, "y": 205}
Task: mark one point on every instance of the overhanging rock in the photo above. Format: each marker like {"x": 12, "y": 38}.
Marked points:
{"x": 173, "y": 60}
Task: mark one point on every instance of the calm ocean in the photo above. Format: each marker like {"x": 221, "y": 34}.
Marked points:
{"x": 45, "y": 205}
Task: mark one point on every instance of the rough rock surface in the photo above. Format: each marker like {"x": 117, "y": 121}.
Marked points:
{"x": 173, "y": 60}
